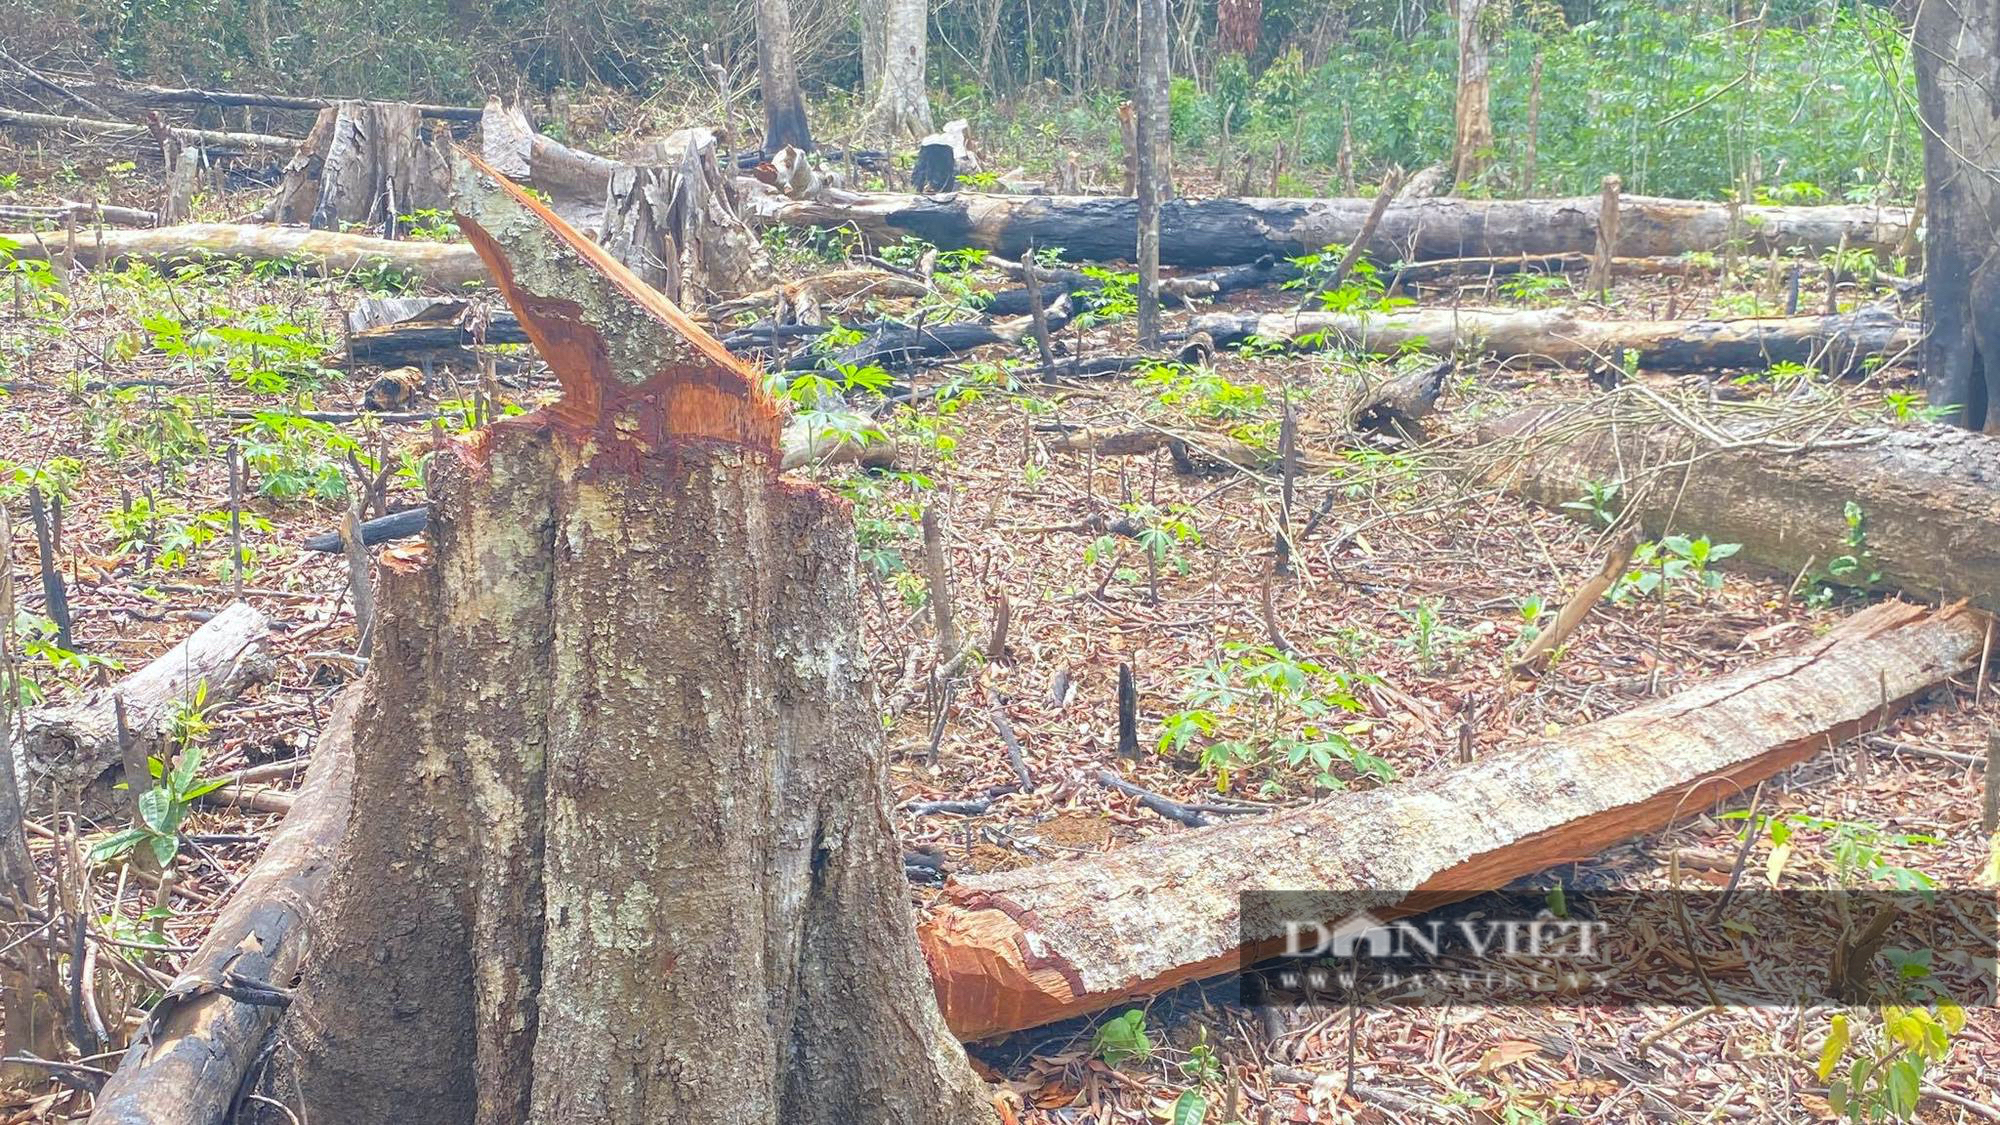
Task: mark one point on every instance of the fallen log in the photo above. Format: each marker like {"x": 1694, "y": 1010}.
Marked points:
{"x": 1220, "y": 232}
{"x": 73, "y": 744}
{"x": 897, "y": 345}
{"x": 189, "y": 1060}
{"x": 155, "y": 96}
{"x": 1833, "y": 344}
{"x": 1015, "y": 949}
{"x": 84, "y": 213}
{"x": 442, "y": 264}
{"x": 125, "y": 131}
{"x": 1927, "y": 495}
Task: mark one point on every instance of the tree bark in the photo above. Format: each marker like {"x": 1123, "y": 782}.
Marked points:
{"x": 1957, "y": 50}
{"x": 900, "y": 105}
{"x": 363, "y": 162}
{"x": 444, "y": 264}
{"x": 190, "y": 1058}
{"x": 1928, "y": 495}
{"x": 1479, "y": 24}
{"x": 1155, "y": 161}
{"x": 620, "y": 858}
{"x": 778, "y": 79}
{"x": 74, "y": 744}
{"x": 1833, "y": 344}
{"x": 1016, "y": 949}
{"x": 1224, "y": 232}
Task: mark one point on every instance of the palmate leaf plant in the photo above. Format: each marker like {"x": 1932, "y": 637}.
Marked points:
{"x": 1262, "y": 709}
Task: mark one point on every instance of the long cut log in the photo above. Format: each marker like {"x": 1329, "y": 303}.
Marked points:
{"x": 195, "y": 1048}
{"x": 1221, "y": 232}
{"x": 1928, "y": 495}
{"x": 1015, "y": 949}
{"x": 443, "y": 264}
{"x": 125, "y": 131}
{"x": 168, "y": 95}
{"x": 73, "y": 744}
{"x": 1835, "y": 344}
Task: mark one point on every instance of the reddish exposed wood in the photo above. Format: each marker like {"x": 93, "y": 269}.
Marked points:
{"x": 712, "y": 398}
{"x": 1016, "y": 949}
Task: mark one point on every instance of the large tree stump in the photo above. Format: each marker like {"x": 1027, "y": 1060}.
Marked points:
{"x": 620, "y": 848}
{"x": 363, "y": 162}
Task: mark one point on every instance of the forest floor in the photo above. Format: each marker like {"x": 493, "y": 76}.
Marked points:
{"x": 1409, "y": 592}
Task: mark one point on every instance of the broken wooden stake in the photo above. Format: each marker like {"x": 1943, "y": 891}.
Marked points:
{"x": 1015, "y": 949}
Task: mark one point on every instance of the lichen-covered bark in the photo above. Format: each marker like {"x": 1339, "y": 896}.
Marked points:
{"x": 1223, "y": 232}
{"x": 1928, "y": 495}
{"x": 1479, "y": 24}
{"x": 1019, "y": 948}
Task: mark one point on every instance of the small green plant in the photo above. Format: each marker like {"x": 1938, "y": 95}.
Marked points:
{"x": 1259, "y": 707}
{"x": 164, "y": 806}
{"x": 1122, "y": 1039}
{"x": 1532, "y": 609}
{"x": 1115, "y": 297}
{"x": 1885, "y": 1081}
{"x": 1361, "y": 290}
{"x": 1597, "y": 501}
{"x": 1854, "y": 568}
{"x": 429, "y": 224}
{"x": 1201, "y": 391}
{"x": 1430, "y": 641}
{"x": 1673, "y": 559}
{"x": 1535, "y": 288}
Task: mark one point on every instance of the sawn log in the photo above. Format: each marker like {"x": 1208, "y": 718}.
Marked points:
{"x": 1833, "y": 344}
{"x": 443, "y": 264}
{"x": 1015, "y": 949}
{"x": 1927, "y": 495}
{"x": 72, "y": 744}
{"x": 1222, "y": 232}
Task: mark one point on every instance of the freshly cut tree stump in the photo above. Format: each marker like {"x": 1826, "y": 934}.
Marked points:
{"x": 620, "y": 848}
{"x": 1834, "y": 344}
{"x": 1016, "y": 949}
{"x": 74, "y": 744}
{"x": 1225, "y": 232}
{"x": 1928, "y": 495}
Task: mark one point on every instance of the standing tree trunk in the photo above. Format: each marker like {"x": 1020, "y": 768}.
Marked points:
{"x": 900, "y": 105}
{"x": 1154, "y": 163}
{"x": 1479, "y": 24}
{"x": 1958, "y": 94}
{"x": 620, "y": 847}
{"x": 1238, "y": 26}
{"x": 778, "y": 79}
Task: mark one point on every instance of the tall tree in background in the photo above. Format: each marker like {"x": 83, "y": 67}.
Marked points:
{"x": 898, "y": 103}
{"x": 1479, "y": 24}
{"x": 1958, "y": 93}
{"x": 1155, "y": 186}
{"x": 778, "y": 79}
